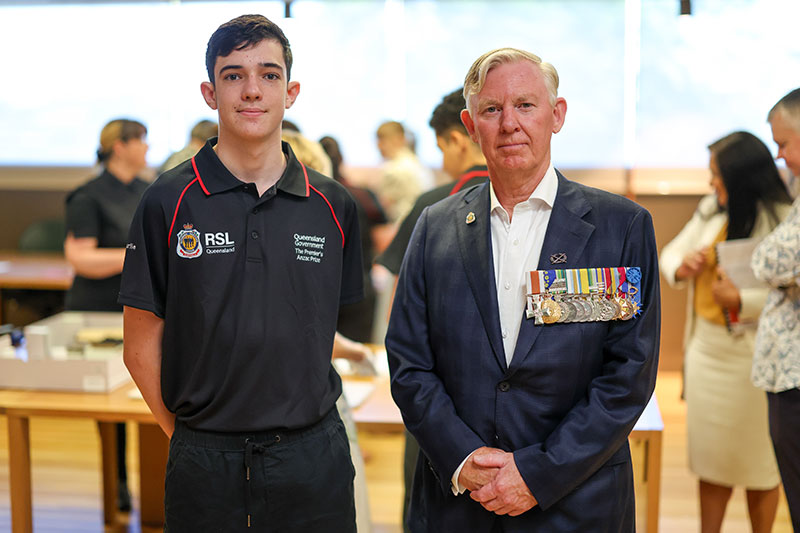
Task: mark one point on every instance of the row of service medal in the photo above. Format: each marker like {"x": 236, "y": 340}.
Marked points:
{"x": 583, "y": 295}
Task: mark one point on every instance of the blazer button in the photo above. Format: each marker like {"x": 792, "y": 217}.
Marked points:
{"x": 504, "y": 386}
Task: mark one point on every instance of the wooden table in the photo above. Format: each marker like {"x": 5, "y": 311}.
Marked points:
{"x": 377, "y": 413}
{"x": 107, "y": 410}
{"x": 646, "y": 438}
{"x": 33, "y": 271}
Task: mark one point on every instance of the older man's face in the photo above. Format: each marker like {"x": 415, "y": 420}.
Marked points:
{"x": 512, "y": 120}
{"x": 788, "y": 141}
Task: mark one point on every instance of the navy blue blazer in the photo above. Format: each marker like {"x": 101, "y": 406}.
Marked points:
{"x": 572, "y": 393}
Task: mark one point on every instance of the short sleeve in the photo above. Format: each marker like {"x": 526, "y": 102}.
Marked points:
{"x": 352, "y": 289}
{"x": 144, "y": 276}
{"x": 82, "y": 216}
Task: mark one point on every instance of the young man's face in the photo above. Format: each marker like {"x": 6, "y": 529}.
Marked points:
{"x": 250, "y": 92}
{"x": 452, "y": 152}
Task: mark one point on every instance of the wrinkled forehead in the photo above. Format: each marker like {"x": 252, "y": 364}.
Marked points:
{"x": 521, "y": 78}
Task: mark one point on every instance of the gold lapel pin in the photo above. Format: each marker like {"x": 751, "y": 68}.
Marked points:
{"x": 470, "y": 217}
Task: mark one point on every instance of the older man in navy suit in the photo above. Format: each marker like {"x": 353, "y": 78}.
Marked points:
{"x": 523, "y": 426}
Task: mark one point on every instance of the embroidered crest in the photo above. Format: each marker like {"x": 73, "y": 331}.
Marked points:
{"x": 189, "y": 242}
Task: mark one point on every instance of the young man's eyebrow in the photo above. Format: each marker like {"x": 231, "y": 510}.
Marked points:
{"x": 229, "y": 67}
{"x": 272, "y": 65}
{"x": 265, "y": 65}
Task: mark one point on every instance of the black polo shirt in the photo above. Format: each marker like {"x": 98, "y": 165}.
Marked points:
{"x": 392, "y": 257}
{"x": 101, "y": 208}
{"x": 249, "y": 289}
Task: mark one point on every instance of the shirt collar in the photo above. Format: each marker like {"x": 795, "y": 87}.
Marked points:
{"x": 215, "y": 176}
{"x": 545, "y": 191}
{"x": 112, "y": 181}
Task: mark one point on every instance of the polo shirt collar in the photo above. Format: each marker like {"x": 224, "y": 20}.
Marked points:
{"x": 112, "y": 181}
{"x": 477, "y": 169}
{"x": 215, "y": 176}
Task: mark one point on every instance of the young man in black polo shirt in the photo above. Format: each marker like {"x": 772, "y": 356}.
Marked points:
{"x": 237, "y": 263}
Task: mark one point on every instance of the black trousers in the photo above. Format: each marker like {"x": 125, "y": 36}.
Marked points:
{"x": 282, "y": 481}
{"x": 784, "y": 428}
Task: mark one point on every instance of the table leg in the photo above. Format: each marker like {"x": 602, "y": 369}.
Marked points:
{"x": 653, "y": 452}
{"x": 153, "y": 451}
{"x": 108, "y": 446}
{"x": 19, "y": 459}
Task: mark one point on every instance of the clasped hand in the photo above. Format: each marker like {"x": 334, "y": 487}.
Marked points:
{"x": 492, "y": 477}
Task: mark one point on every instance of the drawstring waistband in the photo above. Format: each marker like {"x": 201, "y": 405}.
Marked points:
{"x": 251, "y": 442}
{"x": 249, "y": 449}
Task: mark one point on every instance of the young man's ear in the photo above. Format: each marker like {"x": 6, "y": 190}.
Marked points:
{"x": 292, "y": 90}
{"x": 458, "y": 137}
{"x": 209, "y": 94}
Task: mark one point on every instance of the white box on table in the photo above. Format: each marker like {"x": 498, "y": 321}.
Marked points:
{"x": 48, "y": 366}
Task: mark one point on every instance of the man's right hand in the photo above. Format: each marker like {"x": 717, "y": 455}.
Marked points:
{"x": 472, "y": 476}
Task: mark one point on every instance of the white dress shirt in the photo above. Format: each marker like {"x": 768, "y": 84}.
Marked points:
{"x": 516, "y": 246}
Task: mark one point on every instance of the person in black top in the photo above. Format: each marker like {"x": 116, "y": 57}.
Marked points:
{"x": 356, "y": 320}
{"x": 98, "y": 215}
{"x": 463, "y": 160}
{"x": 236, "y": 266}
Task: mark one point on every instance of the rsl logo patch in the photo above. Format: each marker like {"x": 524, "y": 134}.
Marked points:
{"x": 189, "y": 242}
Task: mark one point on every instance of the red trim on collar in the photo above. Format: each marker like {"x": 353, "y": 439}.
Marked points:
{"x": 197, "y": 173}
{"x": 178, "y": 205}
{"x": 335, "y": 219}
{"x": 466, "y": 177}
{"x": 305, "y": 174}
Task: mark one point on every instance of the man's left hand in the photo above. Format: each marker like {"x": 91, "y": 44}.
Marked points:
{"x": 508, "y": 493}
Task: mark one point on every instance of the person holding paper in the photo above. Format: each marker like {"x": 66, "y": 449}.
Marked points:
{"x": 726, "y": 415}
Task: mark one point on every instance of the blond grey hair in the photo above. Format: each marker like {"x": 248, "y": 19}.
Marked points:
{"x": 476, "y": 77}
{"x": 789, "y": 108}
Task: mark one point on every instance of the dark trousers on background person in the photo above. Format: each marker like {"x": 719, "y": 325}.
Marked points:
{"x": 283, "y": 481}
{"x": 784, "y": 428}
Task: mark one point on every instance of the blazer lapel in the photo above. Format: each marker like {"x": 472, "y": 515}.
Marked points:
{"x": 567, "y": 233}
{"x": 474, "y": 240}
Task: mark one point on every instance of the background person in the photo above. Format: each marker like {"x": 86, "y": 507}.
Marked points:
{"x": 356, "y": 321}
{"x": 201, "y": 132}
{"x": 402, "y": 177}
{"x": 98, "y": 216}
{"x": 776, "y": 365}
{"x": 726, "y": 416}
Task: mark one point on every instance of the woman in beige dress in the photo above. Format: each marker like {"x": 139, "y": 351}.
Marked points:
{"x": 727, "y": 425}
